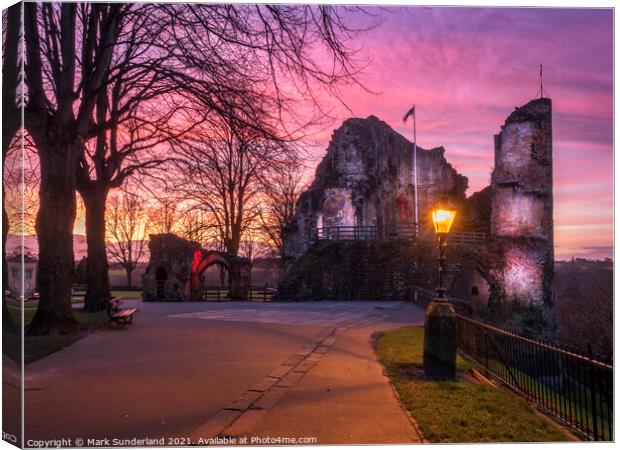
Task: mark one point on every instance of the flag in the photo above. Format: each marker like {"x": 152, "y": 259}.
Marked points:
{"x": 411, "y": 112}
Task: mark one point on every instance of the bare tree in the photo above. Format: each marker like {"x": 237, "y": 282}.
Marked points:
{"x": 239, "y": 62}
{"x": 585, "y": 305}
{"x": 264, "y": 60}
{"x": 63, "y": 83}
{"x": 192, "y": 224}
{"x": 222, "y": 168}
{"x": 105, "y": 168}
{"x": 11, "y": 121}
{"x": 281, "y": 189}
{"x": 127, "y": 231}
{"x": 163, "y": 213}
{"x": 21, "y": 183}
{"x": 84, "y": 83}
{"x": 136, "y": 115}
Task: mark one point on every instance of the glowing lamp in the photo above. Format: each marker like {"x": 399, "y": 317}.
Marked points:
{"x": 443, "y": 219}
{"x": 440, "y": 323}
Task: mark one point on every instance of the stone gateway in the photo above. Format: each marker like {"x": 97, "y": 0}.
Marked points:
{"x": 176, "y": 266}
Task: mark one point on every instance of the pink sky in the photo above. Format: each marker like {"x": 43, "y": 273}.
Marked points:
{"x": 467, "y": 68}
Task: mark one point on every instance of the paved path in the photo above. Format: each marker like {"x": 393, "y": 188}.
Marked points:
{"x": 201, "y": 370}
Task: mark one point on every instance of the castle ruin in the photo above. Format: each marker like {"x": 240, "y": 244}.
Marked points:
{"x": 522, "y": 203}
{"x": 365, "y": 181}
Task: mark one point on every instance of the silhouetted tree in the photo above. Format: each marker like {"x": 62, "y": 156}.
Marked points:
{"x": 137, "y": 114}
{"x": 222, "y": 167}
{"x": 191, "y": 224}
{"x": 281, "y": 188}
{"x": 236, "y": 61}
{"x": 164, "y": 213}
{"x": 80, "y": 271}
{"x": 585, "y": 305}
{"x": 63, "y": 79}
{"x": 127, "y": 231}
{"x": 11, "y": 122}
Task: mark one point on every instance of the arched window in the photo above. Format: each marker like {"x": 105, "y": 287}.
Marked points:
{"x": 161, "y": 275}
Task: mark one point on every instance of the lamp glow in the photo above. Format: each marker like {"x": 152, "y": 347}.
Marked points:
{"x": 440, "y": 323}
{"x": 443, "y": 219}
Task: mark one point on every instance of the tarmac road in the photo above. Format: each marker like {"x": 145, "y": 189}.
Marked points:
{"x": 181, "y": 364}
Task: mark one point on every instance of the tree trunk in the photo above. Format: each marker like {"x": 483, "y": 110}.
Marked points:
{"x": 128, "y": 272}
{"x": 11, "y": 123}
{"x": 97, "y": 277}
{"x": 234, "y": 285}
{"x": 233, "y": 244}
{"x": 54, "y": 226}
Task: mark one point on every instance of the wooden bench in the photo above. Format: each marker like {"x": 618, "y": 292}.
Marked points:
{"x": 118, "y": 315}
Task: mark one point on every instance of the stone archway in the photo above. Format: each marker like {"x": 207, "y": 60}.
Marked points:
{"x": 238, "y": 269}
{"x": 161, "y": 276}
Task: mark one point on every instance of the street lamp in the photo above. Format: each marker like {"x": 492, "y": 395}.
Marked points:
{"x": 440, "y": 324}
{"x": 442, "y": 219}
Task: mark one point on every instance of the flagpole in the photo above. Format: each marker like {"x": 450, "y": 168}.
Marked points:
{"x": 415, "y": 177}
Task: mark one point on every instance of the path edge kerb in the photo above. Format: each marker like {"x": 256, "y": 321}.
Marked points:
{"x": 233, "y": 419}
{"x": 290, "y": 371}
{"x": 374, "y": 340}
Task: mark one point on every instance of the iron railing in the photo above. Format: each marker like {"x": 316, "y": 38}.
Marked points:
{"x": 220, "y": 293}
{"x": 401, "y": 231}
{"x": 346, "y": 233}
{"x": 466, "y": 238}
{"x": 575, "y": 389}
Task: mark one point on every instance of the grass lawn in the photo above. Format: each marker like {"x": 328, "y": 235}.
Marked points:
{"x": 37, "y": 347}
{"x": 129, "y": 295}
{"x": 457, "y": 411}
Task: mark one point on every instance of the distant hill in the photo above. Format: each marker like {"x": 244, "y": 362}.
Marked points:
{"x": 31, "y": 245}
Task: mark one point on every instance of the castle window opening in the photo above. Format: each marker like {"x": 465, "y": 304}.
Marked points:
{"x": 161, "y": 275}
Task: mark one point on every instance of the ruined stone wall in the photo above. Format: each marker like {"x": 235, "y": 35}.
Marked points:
{"x": 366, "y": 179}
{"x": 372, "y": 270}
{"x": 176, "y": 267}
{"x": 171, "y": 256}
{"x": 522, "y": 204}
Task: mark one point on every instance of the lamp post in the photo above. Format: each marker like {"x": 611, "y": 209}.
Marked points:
{"x": 440, "y": 324}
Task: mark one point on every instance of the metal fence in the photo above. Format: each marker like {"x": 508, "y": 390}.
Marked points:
{"x": 220, "y": 293}
{"x": 401, "y": 231}
{"x": 346, "y": 233}
{"x": 575, "y": 389}
{"x": 466, "y": 238}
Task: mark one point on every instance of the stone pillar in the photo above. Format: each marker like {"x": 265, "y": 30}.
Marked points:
{"x": 522, "y": 204}
{"x": 440, "y": 326}
{"x": 440, "y": 340}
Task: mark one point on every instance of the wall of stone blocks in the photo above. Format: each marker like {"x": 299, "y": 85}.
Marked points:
{"x": 522, "y": 203}
{"x": 366, "y": 179}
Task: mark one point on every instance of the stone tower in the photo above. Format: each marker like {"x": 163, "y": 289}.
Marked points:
{"x": 522, "y": 203}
